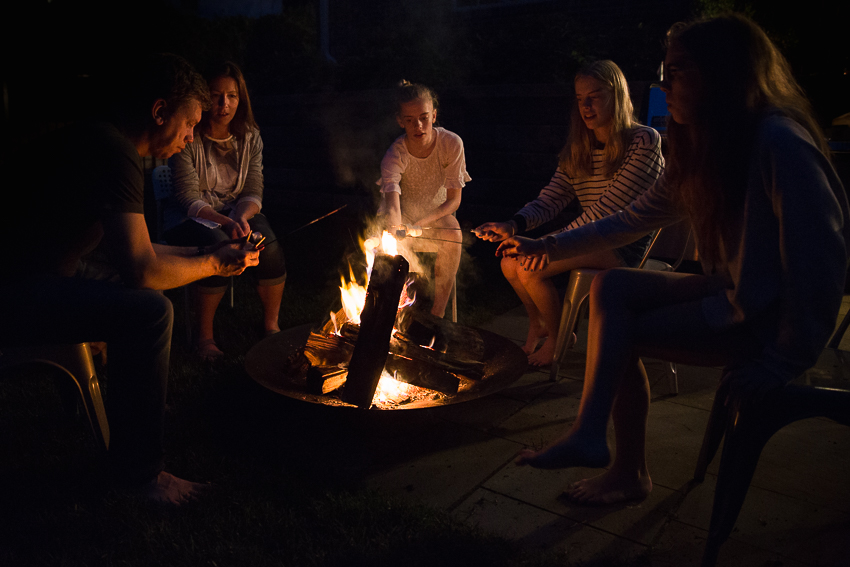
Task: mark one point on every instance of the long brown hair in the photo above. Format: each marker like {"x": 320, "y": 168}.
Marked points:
{"x": 743, "y": 74}
{"x": 576, "y": 159}
{"x": 243, "y": 121}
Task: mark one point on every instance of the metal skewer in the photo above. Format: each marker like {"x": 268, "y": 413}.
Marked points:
{"x": 433, "y": 239}
{"x": 318, "y": 219}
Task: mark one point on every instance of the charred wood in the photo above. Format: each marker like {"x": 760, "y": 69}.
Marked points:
{"x": 377, "y": 319}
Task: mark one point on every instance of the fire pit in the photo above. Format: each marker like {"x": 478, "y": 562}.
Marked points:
{"x": 504, "y": 363}
{"x": 380, "y": 351}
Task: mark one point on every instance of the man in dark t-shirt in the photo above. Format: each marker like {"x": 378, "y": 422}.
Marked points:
{"x": 87, "y": 187}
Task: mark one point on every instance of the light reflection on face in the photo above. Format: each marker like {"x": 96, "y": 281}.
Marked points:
{"x": 225, "y": 100}
{"x": 682, "y": 84}
{"x": 176, "y": 131}
{"x": 417, "y": 117}
{"x": 595, "y": 104}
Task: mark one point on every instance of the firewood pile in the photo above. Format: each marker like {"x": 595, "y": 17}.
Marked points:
{"x": 433, "y": 357}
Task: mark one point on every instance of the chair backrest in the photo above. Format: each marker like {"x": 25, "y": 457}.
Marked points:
{"x": 162, "y": 189}
{"x": 162, "y": 186}
{"x": 674, "y": 245}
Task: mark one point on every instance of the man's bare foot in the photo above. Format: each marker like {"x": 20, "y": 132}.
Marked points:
{"x": 611, "y": 487}
{"x": 543, "y": 357}
{"x": 169, "y": 489}
{"x": 569, "y": 451}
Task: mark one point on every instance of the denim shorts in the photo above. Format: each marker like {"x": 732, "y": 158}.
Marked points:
{"x": 630, "y": 255}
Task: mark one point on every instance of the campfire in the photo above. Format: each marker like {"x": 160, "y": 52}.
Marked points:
{"x": 379, "y": 350}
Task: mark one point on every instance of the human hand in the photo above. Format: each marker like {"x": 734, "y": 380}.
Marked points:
{"x": 520, "y": 246}
{"x": 232, "y": 259}
{"x": 235, "y": 229}
{"x": 534, "y": 263}
{"x": 494, "y": 231}
{"x": 404, "y": 230}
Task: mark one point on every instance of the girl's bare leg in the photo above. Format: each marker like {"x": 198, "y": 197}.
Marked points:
{"x": 206, "y": 305}
{"x": 628, "y": 478}
{"x": 618, "y": 325}
{"x": 538, "y": 286}
{"x": 271, "y": 297}
{"x": 536, "y": 330}
{"x": 447, "y": 262}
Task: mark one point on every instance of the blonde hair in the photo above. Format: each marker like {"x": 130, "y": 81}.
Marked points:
{"x": 576, "y": 159}
{"x": 407, "y": 91}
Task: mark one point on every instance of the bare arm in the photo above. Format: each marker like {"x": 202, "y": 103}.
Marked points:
{"x": 145, "y": 265}
{"x": 391, "y": 208}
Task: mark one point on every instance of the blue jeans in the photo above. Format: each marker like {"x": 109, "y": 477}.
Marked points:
{"x": 137, "y": 325}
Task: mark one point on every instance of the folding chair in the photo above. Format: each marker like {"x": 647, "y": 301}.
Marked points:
{"x": 75, "y": 362}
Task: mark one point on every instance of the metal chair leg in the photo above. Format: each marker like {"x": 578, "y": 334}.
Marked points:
{"x": 76, "y": 362}
{"x": 578, "y": 289}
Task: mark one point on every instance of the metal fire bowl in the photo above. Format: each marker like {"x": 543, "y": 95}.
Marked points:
{"x": 504, "y": 363}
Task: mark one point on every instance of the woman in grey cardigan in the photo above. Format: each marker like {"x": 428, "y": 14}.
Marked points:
{"x": 218, "y": 183}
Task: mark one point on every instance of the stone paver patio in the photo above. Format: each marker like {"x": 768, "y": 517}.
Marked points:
{"x": 797, "y": 511}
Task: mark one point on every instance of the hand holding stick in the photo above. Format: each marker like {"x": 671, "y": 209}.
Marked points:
{"x": 495, "y": 231}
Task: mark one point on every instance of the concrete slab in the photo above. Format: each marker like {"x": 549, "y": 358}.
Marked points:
{"x": 682, "y": 545}
{"x": 673, "y": 439}
{"x": 804, "y": 532}
{"x": 546, "y": 417}
{"x": 444, "y": 477}
{"x": 535, "y": 529}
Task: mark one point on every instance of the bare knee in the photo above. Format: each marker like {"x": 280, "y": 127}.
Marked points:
{"x": 510, "y": 267}
{"x": 609, "y": 288}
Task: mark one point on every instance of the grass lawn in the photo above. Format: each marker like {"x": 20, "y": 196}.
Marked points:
{"x": 285, "y": 474}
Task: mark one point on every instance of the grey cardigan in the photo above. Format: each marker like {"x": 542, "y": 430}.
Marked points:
{"x": 192, "y": 171}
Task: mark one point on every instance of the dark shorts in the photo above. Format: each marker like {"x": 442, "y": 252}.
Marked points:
{"x": 271, "y": 269}
{"x": 630, "y": 255}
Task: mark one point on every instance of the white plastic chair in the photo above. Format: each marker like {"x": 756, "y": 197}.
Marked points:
{"x": 577, "y": 292}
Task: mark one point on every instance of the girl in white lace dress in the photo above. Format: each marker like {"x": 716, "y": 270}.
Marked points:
{"x": 422, "y": 175}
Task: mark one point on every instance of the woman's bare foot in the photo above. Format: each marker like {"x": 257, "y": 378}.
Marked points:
{"x": 572, "y": 450}
{"x": 543, "y": 357}
{"x": 208, "y": 350}
{"x": 611, "y": 487}
{"x": 169, "y": 489}
{"x": 536, "y": 331}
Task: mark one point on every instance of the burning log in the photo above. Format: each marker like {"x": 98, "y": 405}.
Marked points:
{"x": 325, "y": 379}
{"x": 389, "y": 274}
{"x": 328, "y": 349}
{"x": 440, "y": 343}
{"x": 421, "y": 375}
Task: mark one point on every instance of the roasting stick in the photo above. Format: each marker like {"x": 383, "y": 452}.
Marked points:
{"x": 318, "y": 219}
{"x": 434, "y": 239}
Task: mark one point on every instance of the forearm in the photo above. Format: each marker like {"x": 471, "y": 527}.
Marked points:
{"x": 173, "y": 267}
{"x": 211, "y": 214}
{"x": 246, "y": 209}
{"x": 392, "y": 208}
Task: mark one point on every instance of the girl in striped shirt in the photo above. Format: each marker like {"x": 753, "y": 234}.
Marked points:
{"x": 609, "y": 160}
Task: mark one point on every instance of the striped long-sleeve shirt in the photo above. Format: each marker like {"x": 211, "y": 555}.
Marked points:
{"x": 599, "y": 195}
